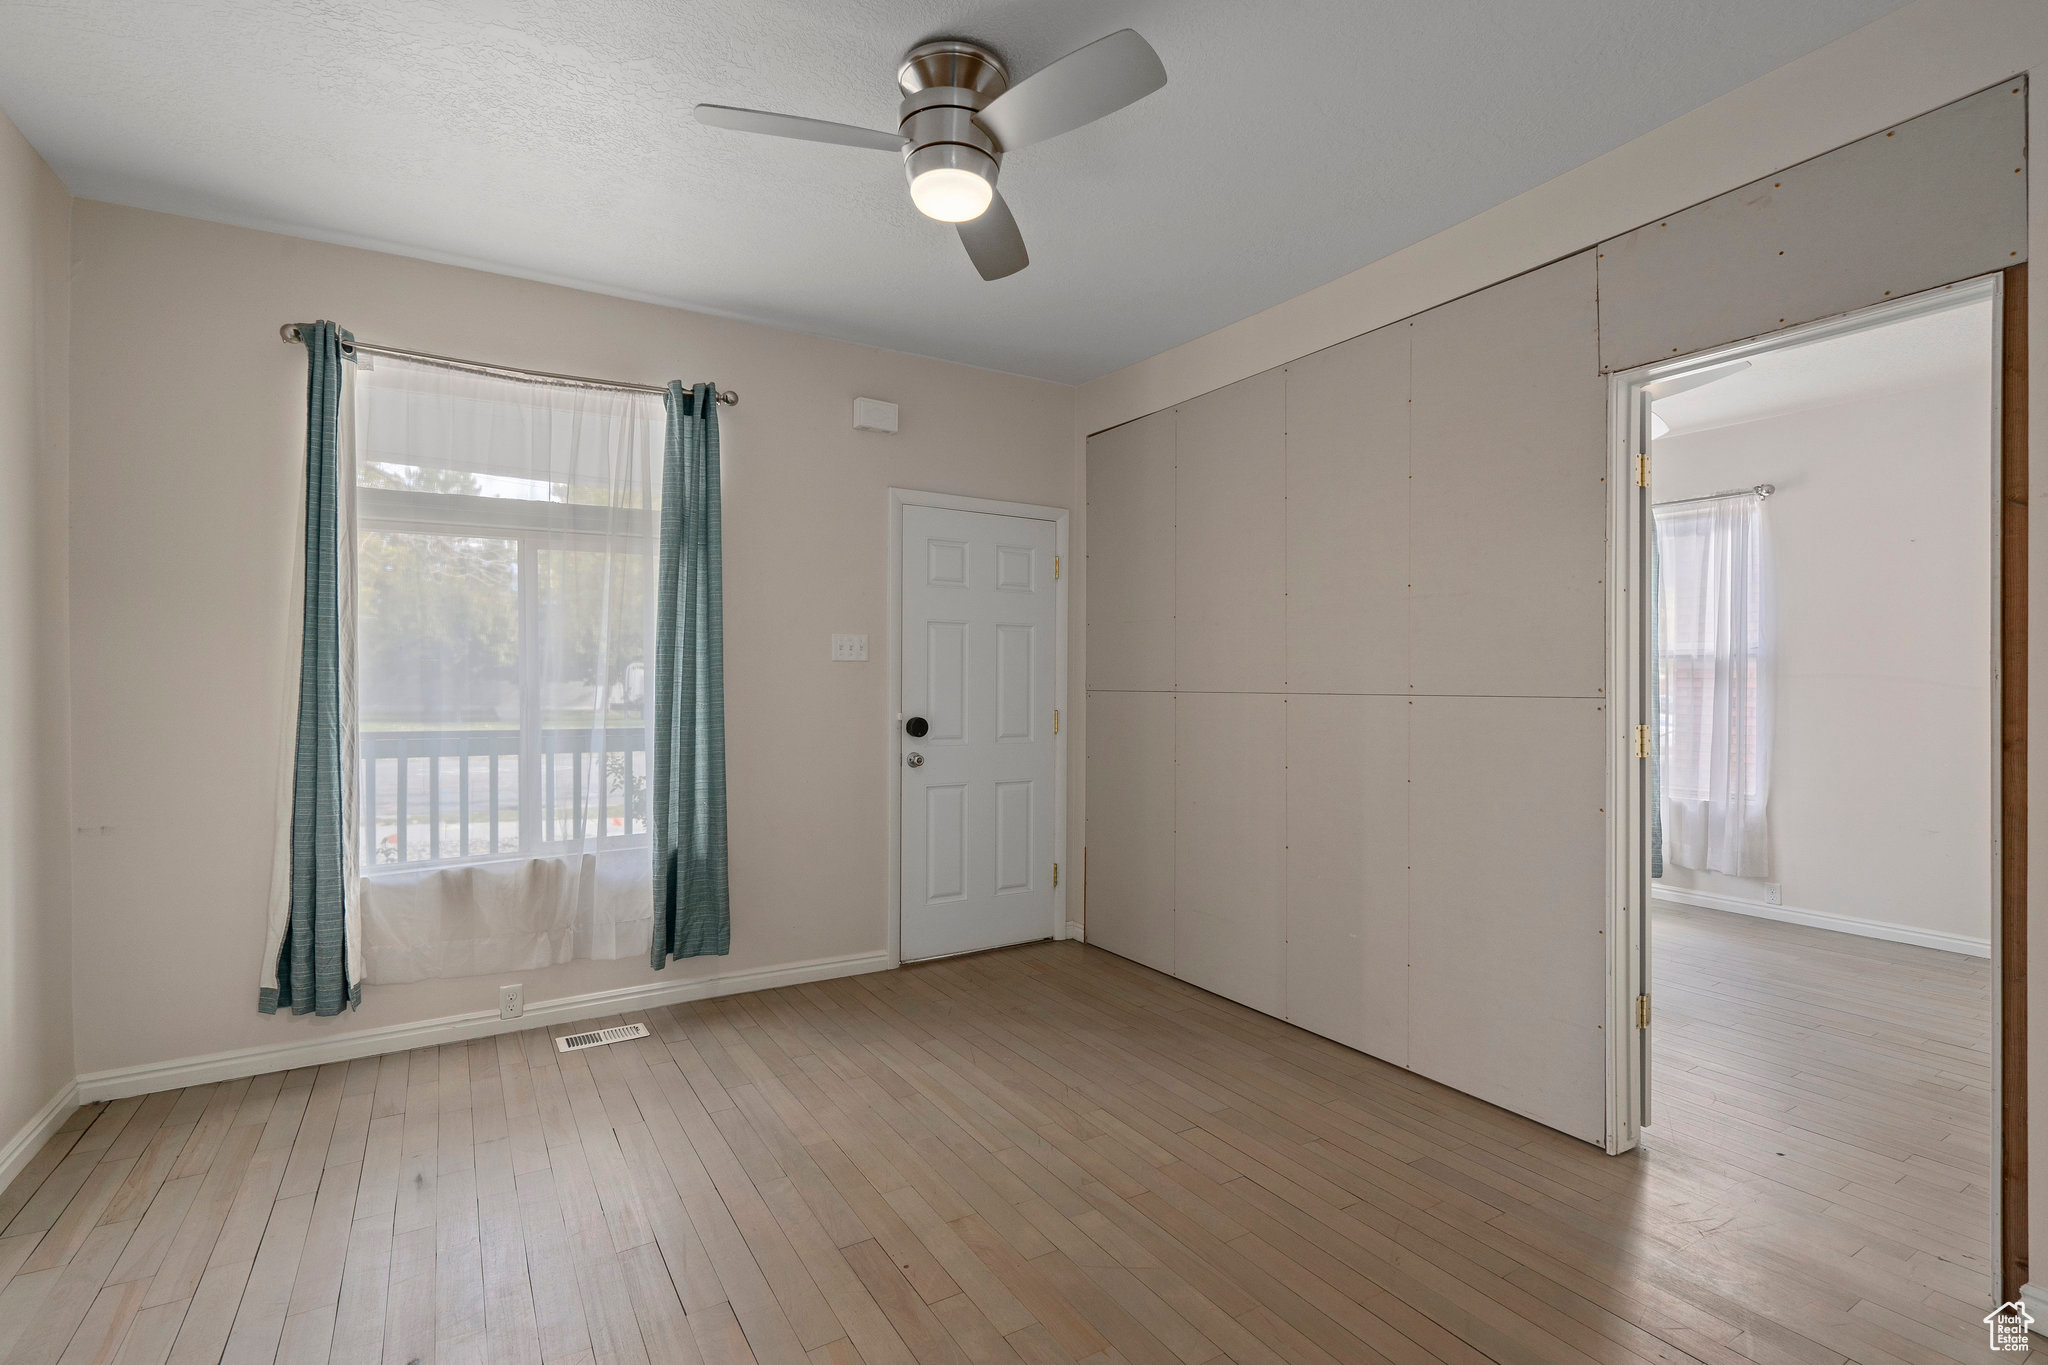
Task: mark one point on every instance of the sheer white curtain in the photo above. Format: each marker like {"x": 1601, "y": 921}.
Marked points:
{"x": 506, "y": 560}
{"x": 1714, "y": 658}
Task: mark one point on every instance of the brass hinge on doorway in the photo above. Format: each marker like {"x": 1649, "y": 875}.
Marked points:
{"x": 1055, "y": 720}
{"x": 1642, "y": 471}
{"x": 1642, "y": 741}
{"x": 1642, "y": 1011}
{"x": 1055, "y": 568}
{"x": 1055, "y": 875}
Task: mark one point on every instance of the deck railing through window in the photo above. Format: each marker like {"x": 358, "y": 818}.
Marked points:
{"x": 446, "y": 796}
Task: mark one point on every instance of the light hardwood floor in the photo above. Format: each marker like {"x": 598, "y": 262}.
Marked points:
{"x": 1040, "y": 1156}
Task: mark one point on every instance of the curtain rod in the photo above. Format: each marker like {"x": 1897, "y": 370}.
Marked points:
{"x": 290, "y": 333}
{"x": 1758, "y": 491}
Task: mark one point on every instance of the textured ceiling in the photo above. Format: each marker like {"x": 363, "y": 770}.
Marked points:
{"x": 1297, "y": 140}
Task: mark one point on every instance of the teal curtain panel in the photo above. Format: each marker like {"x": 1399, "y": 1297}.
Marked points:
{"x": 692, "y": 899}
{"x": 314, "y": 964}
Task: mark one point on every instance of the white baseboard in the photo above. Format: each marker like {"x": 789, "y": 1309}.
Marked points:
{"x": 45, "y": 1121}
{"x": 1074, "y": 932}
{"x": 457, "y": 1028}
{"x": 2035, "y": 1299}
{"x": 1814, "y": 919}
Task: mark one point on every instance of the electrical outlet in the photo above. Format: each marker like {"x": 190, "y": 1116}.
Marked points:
{"x": 511, "y": 1001}
{"x": 1774, "y": 893}
{"x": 849, "y": 649}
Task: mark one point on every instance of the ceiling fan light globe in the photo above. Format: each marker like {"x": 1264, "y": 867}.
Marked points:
{"x": 951, "y": 194}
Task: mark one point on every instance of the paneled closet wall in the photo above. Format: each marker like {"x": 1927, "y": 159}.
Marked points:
{"x": 1346, "y": 624}
{"x": 1346, "y": 731}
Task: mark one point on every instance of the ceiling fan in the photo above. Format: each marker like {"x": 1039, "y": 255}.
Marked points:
{"x": 960, "y": 114}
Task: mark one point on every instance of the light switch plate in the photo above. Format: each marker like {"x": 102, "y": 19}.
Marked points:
{"x": 849, "y": 649}
{"x": 872, "y": 414}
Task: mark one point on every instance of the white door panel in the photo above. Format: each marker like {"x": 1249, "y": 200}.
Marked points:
{"x": 979, "y": 615}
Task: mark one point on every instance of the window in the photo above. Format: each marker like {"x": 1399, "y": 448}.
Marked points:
{"x": 506, "y": 554}
{"x": 1714, "y": 683}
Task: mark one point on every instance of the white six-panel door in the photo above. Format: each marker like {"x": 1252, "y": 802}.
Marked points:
{"x": 979, "y": 656}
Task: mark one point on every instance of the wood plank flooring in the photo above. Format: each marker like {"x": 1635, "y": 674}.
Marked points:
{"x": 1044, "y": 1156}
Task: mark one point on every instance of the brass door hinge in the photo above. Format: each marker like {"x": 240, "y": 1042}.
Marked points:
{"x": 1643, "y": 1011}
{"x": 1642, "y": 741}
{"x": 1642, "y": 471}
{"x": 1055, "y": 874}
{"x": 1055, "y": 720}
{"x": 1055, "y": 568}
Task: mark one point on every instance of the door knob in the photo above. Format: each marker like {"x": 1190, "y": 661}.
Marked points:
{"x": 916, "y": 760}
{"x": 916, "y": 727}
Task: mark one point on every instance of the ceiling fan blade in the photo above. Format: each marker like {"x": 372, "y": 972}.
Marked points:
{"x": 1079, "y": 88}
{"x": 790, "y": 125}
{"x": 993, "y": 242}
{"x": 1698, "y": 379}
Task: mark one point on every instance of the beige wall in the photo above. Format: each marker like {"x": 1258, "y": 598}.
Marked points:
{"x": 1883, "y": 761}
{"x": 188, "y": 424}
{"x": 35, "y": 798}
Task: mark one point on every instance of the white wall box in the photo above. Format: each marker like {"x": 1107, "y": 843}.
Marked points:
{"x": 872, "y": 414}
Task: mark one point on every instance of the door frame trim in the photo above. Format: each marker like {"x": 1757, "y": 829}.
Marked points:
{"x": 1627, "y": 834}
{"x": 900, "y": 498}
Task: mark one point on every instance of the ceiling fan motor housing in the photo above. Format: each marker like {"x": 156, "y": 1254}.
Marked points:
{"x": 945, "y": 83}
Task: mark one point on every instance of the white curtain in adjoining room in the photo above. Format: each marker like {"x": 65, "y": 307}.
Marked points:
{"x": 506, "y": 562}
{"x": 1714, "y": 659}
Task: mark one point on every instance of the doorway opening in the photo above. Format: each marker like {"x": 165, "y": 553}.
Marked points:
{"x": 1813, "y": 752}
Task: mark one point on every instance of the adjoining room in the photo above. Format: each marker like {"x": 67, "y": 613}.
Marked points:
{"x": 1825, "y": 770}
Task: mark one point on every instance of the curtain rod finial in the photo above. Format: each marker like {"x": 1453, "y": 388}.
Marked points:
{"x": 289, "y": 334}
